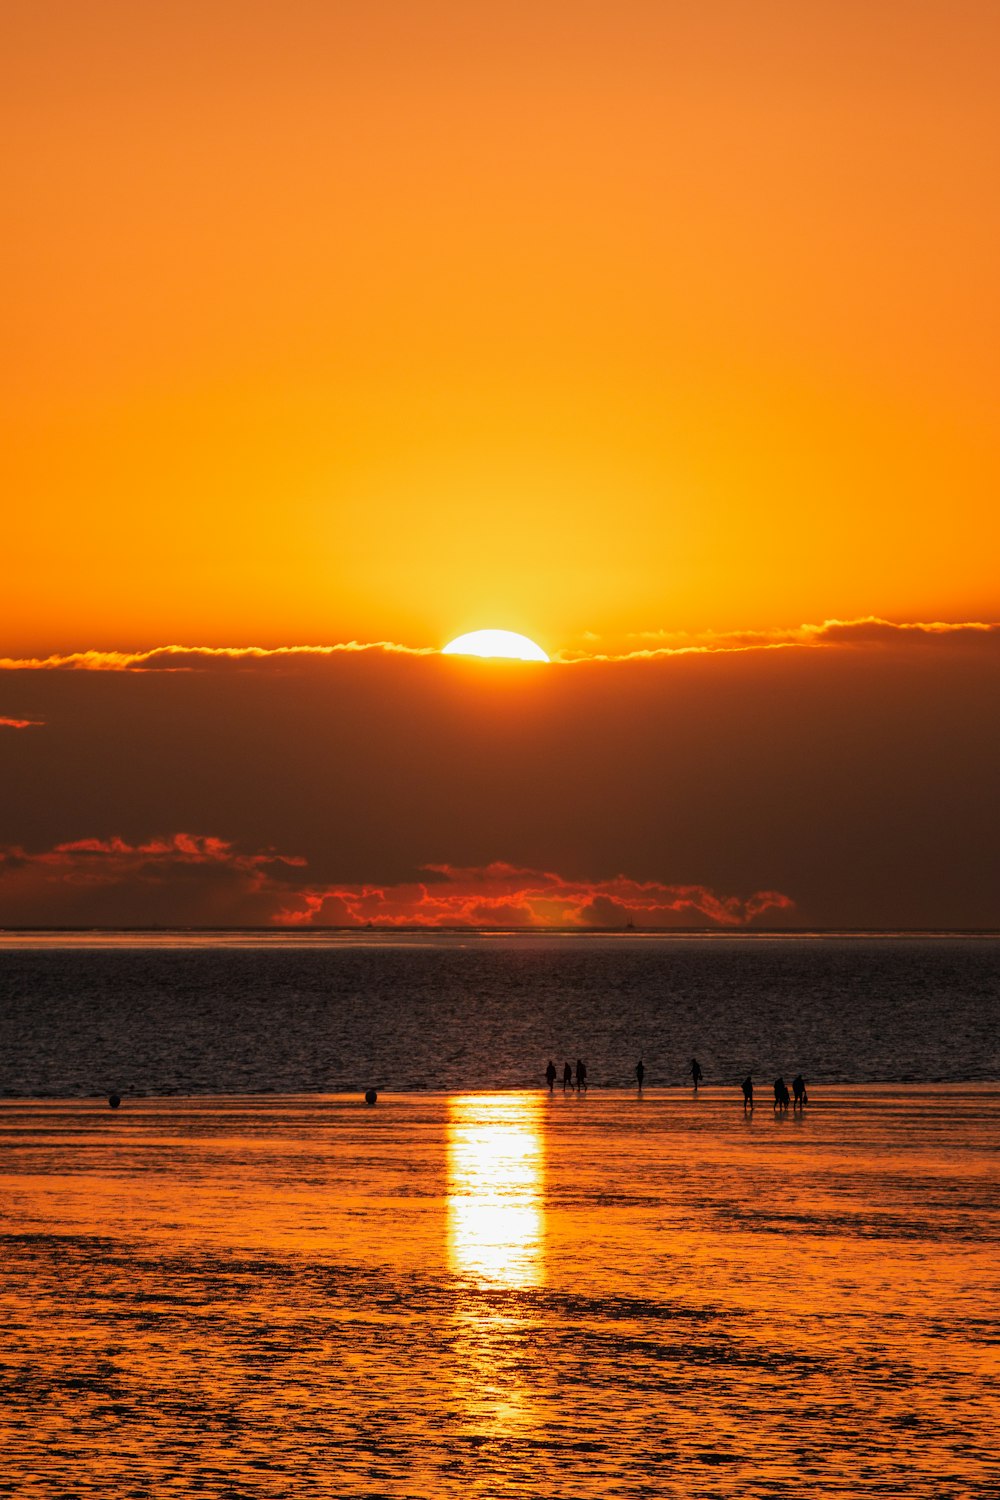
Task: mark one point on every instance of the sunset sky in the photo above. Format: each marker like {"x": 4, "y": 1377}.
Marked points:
{"x": 666, "y": 334}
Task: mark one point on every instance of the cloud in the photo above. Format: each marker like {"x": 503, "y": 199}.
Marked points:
{"x": 200, "y": 658}
{"x": 856, "y": 776}
{"x": 183, "y": 879}
{"x": 868, "y": 632}
{"x": 188, "y": 879}
{"x": 108, "y": 857}
{"x": 873, "y": 631}
{"x": 503, "y": 895}
{"x": 21, "y": 723}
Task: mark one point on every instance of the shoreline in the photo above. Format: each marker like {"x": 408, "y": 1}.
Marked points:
{"x": 823, "y": 1094}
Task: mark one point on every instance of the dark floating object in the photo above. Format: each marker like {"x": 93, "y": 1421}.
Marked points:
{"x": 114, "y": 1101}
{"x": 370, "y": 1096}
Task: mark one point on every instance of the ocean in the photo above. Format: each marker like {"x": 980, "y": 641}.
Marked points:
{"x": 246, "y": 1283}
{"x": 182, "y": 1014}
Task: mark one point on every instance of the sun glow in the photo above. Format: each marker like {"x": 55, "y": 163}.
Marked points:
{"x": 495, "y": 643}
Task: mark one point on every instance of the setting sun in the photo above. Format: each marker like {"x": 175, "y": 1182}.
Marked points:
{"x": 495, "y": 643}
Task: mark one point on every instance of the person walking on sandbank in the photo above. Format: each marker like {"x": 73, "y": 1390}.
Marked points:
{"x": 747, "y": 1087}
{"x": 781, "y": 1097}
{"x": 567, "y": 1076}
{"x": 799, "y": 1091}
{"x": 581, "y": 1075}
{"x": 640, "y": 1073}
{"x": 550, "y": 1075}
{"x": 696, "y": 1073}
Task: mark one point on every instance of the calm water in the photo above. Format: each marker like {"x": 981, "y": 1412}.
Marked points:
{"x": 467, "y": 1013}
{"x": 501, "y": 1295}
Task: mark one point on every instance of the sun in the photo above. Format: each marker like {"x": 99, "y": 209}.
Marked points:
{"x": 495, "y": 643}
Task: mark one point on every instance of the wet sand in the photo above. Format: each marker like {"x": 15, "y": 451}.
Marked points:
{"x": 500, "y": 1295}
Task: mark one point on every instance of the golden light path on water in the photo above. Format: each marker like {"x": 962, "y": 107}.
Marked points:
{"x": 496, "y": 1189}
{"x": 496, "y": 1227}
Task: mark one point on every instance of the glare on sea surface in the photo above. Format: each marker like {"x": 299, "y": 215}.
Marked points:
{"x": 495, "y": 643}
{"x": 496, "y": 1213}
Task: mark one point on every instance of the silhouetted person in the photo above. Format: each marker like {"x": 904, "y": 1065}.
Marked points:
{"x": 747, "y": 1087}
{"x": 799, "y": 1090}
{"x": 781, "y": 1098}
{"x": 640, "y": 1073}
{"x": 114, "y": 1101}
{"x": 567, "y": 1077}
{"x": 581, "y": 1075}
{"x": 550, "y": 1075}
{"x": 696, "y": 1073}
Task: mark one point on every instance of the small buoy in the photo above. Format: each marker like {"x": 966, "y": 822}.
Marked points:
{"x": 114, "y": 1101}
{"x": 371, "y": 1096}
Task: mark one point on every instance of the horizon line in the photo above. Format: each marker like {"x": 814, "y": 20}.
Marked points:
{"x": 465, "y": 930}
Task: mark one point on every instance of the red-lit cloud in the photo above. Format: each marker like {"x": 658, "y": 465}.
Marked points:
{"x": 503, "y": 895}
{"x": 181, "y": 879}
{"x": 205, "y": 880}
{"x": 88, "y": 859}
{"x": 21, "y": 723}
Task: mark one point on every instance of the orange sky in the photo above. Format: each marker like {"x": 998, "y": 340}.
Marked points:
{"x": 388, "y": 321}
{"x": 644, "y": 328}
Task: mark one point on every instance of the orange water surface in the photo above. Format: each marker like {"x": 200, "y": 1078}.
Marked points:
{"x": 501, "y": 1295}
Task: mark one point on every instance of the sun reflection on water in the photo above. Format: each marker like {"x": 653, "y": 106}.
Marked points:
{"x": 496, "y": 1189}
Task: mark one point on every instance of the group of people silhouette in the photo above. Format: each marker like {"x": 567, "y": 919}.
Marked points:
{"x": 782, "y": 1098}
{"x": 571, "y": 1078}
{"x": 576, "y": 1079}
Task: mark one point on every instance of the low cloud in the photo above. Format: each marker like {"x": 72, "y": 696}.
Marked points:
{"x": 109, "y": 857}
{"x": 21, "y": 723}
{"x": 197, "y": 880}
{"x": 503, "y": 895}
{"x": 183, "y": 879}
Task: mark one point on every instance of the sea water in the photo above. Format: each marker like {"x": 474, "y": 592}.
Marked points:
{"x": 250, "y": 1013}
